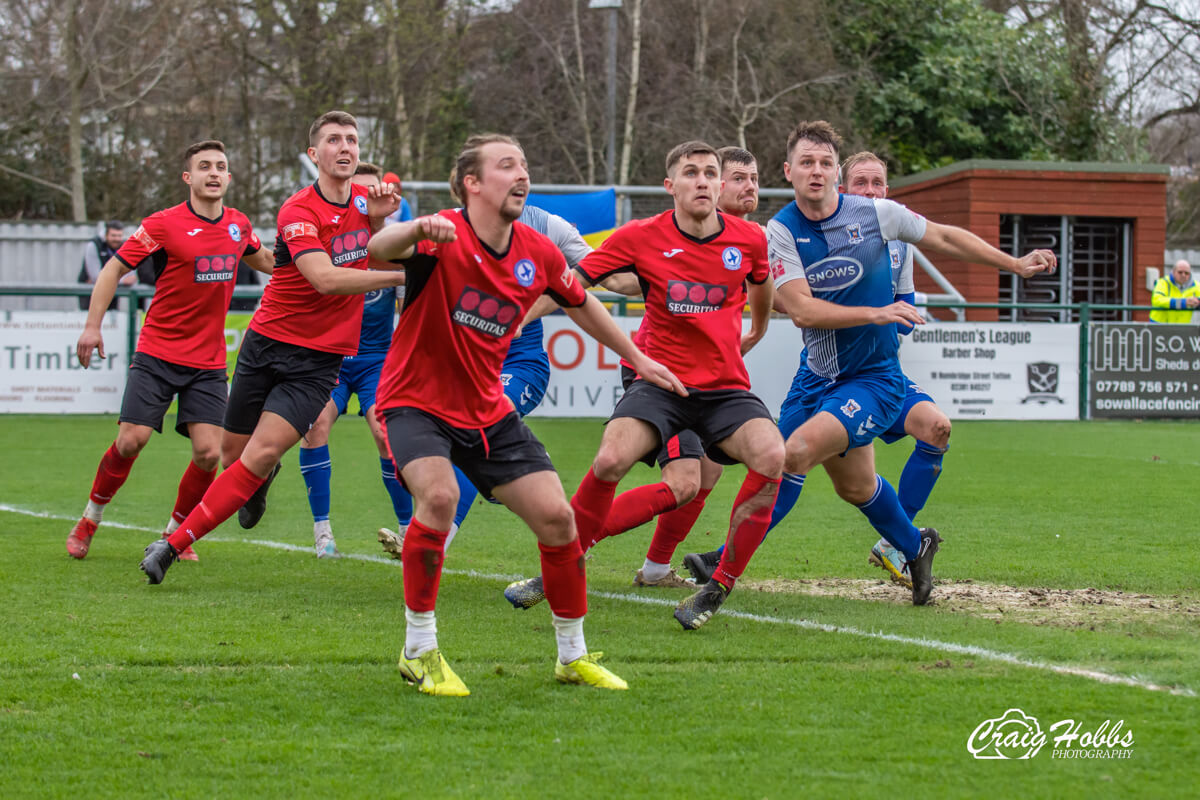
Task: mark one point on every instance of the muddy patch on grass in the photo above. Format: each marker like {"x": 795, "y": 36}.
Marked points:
{"x": 1067, "y": 608}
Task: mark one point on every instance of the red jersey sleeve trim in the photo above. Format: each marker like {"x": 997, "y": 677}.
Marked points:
{"x": 563, "y": 301}
{"x": 121, "y": 258}
{"x": 309, "y": 250}
{"x": 750, "y": 278}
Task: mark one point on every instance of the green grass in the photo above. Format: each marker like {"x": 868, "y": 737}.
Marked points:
{"x": 266, "y": 673}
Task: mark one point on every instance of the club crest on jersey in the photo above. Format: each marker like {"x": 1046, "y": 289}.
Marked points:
{"x": 731, "y": 257}
{"x": 525, "y": 272}
{"x": 360, "y": 203}
{"x": 689, "y": 297}
{"x": 851, "y": 407}
{"x": 487, "y": 314}
{"x": 349, "y": 247}
{"x": 235, "y": 232}
{"x": 854, "y": 231}
{"x": 894, "y": 252}
{"x": 214, "y": 269}
{"x": 833, "y": 273}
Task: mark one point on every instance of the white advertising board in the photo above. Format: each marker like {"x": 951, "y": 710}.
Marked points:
{"x": 41, "y": 374}
{"x": 997, "y": 370}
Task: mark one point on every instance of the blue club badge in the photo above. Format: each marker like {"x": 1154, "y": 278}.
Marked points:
{"x": 360, "y": 203}
{"x": 235, "y": 232}
{"x": 731, "y": 258}
{"x": 525, "y": 272}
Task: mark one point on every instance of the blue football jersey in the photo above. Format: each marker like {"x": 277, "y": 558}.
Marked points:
{"x": 379, "y": 317}
{"x": 846, "y": 259}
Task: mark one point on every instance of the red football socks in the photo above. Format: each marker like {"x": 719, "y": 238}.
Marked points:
{"x": 636, "y": 507}
{"x": 747, "y": 526}
{"x": 673, "y": 527}
{"x": 225, "y": 495}
{"x": 192, "y": 486}
{"x": 564, "y": 579}
{"x": 110, "y": 475}
{"x": 422, "y": 557}
{"x": 591, "y": 503}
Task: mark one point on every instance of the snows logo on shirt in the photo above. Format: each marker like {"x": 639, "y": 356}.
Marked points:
{"x": 349, "y": 247}
{"x": 688, "y": 297}
{"x": 214, "y": 269}
{"x": 487, "y": 314}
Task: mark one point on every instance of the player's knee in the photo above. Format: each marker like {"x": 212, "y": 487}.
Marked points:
{"x": 130, "y": 443}
{"x": 207, "y": 458}
{"x": 941, "y": 434}
{"x": 684, "y": 487}
{"x": 439, "y": 502}
{"x": 769, "y": 459}
{"x": 856, "y": 493}
{"x": 609, "y": 465}
{"x": 797, "y": 457}
{"x": 558, "y": 525}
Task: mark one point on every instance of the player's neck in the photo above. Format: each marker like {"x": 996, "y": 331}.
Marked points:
{"x": 335, "y": 190}
{"x": 209, "y": 209}
{"x": 737, "y": 214}
{"x": 491, "y": 229}
{"x": 698, "y": 227}
{"x": 817, "y": 209}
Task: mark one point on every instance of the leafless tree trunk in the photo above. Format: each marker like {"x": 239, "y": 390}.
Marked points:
{"x": 635, "y": 61}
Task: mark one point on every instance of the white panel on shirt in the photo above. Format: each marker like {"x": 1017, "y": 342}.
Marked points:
{"x": 781, "y": 249}
{"x": 897, "y": 222}
{"x": 567, "y": 239}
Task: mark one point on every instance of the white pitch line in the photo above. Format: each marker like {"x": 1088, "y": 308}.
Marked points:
{"x": 804, "y": 624}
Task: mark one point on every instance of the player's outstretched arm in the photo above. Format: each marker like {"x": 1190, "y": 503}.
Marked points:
{"x": 262, "y": 260}
{"x": 318, "y": 269}
{"x": 959, "y": 243}
{"x": 102, "y": 294}
{"x": 807, "y": 311}
{"x": 382, "y": 201}
{"x": 398, "y": 242}
{"x": 595, "y": 320}
{"x": 760, "y": 298}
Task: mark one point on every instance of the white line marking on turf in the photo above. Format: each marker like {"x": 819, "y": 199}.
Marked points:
{"x": 804, "y": 624}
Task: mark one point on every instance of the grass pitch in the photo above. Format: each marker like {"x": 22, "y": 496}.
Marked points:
{"x": 1069, "y": 591}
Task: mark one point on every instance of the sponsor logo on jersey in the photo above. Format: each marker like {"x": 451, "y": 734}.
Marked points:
{"x": 194, "y": 231}
{"x": 833, "y": 273}
{"x": 854, "y": 231}
{"x": 689, "y": 297}
{"x": 145, "y": 239}
{"x": 525, "y": 272}
{"x": 851, "y": 407}
{"x": 214, "y": 269}
{"x": 672, "y": 252}
{"x": 360, "y": 203}
{"x": 777, "y": 268}
{"x": 568, "y": 277}
{"x": 483, "y": 312}
{"x": 803, "y": 239}
{"x": 731, "y": 257}
{"x": 336, "y": 219}
{"x": 235, "y": 232}
{"x": 294, "y": 230}
{"x": 347, "y": 248}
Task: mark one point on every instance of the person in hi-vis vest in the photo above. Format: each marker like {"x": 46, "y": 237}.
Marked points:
{"x": 1175, "y": 295}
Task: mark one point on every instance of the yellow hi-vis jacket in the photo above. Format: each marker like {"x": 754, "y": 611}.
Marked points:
{"x": 1168, "y": 300}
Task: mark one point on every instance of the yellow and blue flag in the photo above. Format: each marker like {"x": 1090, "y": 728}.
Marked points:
{"x": 594, "y": 214}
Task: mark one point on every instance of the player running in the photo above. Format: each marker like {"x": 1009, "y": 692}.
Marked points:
{"x": 308, "y": 321}
{"x": 195, "y": 247}
{"x": 472, "y": 275}
{"x": 833, "y": 270}
{"x": 693, "y": 264}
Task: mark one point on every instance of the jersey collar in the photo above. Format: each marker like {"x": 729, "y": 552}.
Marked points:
{"x": 317, "y": 189}
{"x": 201, "y": 216}
{"x": 483, "y": 244}
{"x": 706, "y": 239}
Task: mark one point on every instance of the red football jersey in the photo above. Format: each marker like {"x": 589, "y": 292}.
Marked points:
{"x": 292, "y": 310}
{"x": 462, "y": 304}
{"x": 695, "y": 292}
{"x": 196, "y": 261}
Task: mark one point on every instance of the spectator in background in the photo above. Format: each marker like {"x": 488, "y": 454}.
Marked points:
{"x": 404, "y": 212}
{"x": 1175, "y": 295}
{"x": 96, "y": 254}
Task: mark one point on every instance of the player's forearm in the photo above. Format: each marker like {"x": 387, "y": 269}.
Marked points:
{"x": 262, "y": 260}
{"x": 540, "y": 308}
{"x": 338, "y": 281}
{"x": 962, "y": 245}
{"x": 596, "y": 322}
{"x": 760, "y": 298}
{"x": 806, "y": 311}
{"x": 395, "y": 241}
{"x": 103, "y": 291}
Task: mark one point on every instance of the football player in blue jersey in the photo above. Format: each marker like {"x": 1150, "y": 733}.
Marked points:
{"x": 525, "y": 373}
{"x": 359, "y": 375}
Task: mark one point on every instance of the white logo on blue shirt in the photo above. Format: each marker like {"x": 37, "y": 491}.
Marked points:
{"x": 360, "y": 203}
{"x": 235, "y": 232}
{"x": 525, "y": 272}
{"x": 731, "y": 258}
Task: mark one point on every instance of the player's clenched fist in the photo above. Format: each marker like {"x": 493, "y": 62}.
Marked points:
{"x": 436, "y": 228}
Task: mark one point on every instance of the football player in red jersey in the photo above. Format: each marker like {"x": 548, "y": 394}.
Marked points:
{"x": 693, "y": 264}
{"x": 309, "y": 318}
{"x": 195, "y": 247}
{"x": 472, "y": 275}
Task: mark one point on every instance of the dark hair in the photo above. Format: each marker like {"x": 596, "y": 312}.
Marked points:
{"x": 470, "y": 161}
{"x": 367, "y": 168}
{"x": 329, "y": 118}
{"x": 692, "y": 148}
{"x": 819, "y": 132}
{"x": 207, "y": 144}
{"x": 114, "y": 225}
{"x": 735, "y": 155}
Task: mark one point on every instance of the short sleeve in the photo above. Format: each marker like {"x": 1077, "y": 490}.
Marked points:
{"x": 611, "y": 256}
{"x": 567, "y": 239}
{"x": 298, "y": 230}
{"x": 561, "y": 284}
{"x": 146, "y": 240}
{"x": 898, "y": 222}
{"x": 759, "y": 263}
{"x": 783, "y": 258}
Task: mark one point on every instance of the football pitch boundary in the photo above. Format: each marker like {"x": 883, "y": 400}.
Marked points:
{"x": 804, "y": 624}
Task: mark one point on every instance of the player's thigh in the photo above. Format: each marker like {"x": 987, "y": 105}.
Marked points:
{"x": 644, "y": 418}
{"x": 206, "y": 443}
{"x": 202, "y": 399}
{"x": 538, "y": 499}
{"x": 626, "y": 441}
{"x": 375, "y": 426}
{"x": 149, "y": 389}
{"x": 853, "y": 474}
{"x": 758, "y": 445}
{"x": 273, "y": 436}
{"x": 683, "y": 476}
{"x": 431, "y": 481}
{"x": 318, "y": 434}
{"x": 819, "y": 438}
{"x": 928, "y": 423}
{"x": 710, "y": 473}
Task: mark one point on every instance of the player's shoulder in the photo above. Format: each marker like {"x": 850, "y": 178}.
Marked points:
{"x": 740, "y": 227}
{"x": 527, "y": 237}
